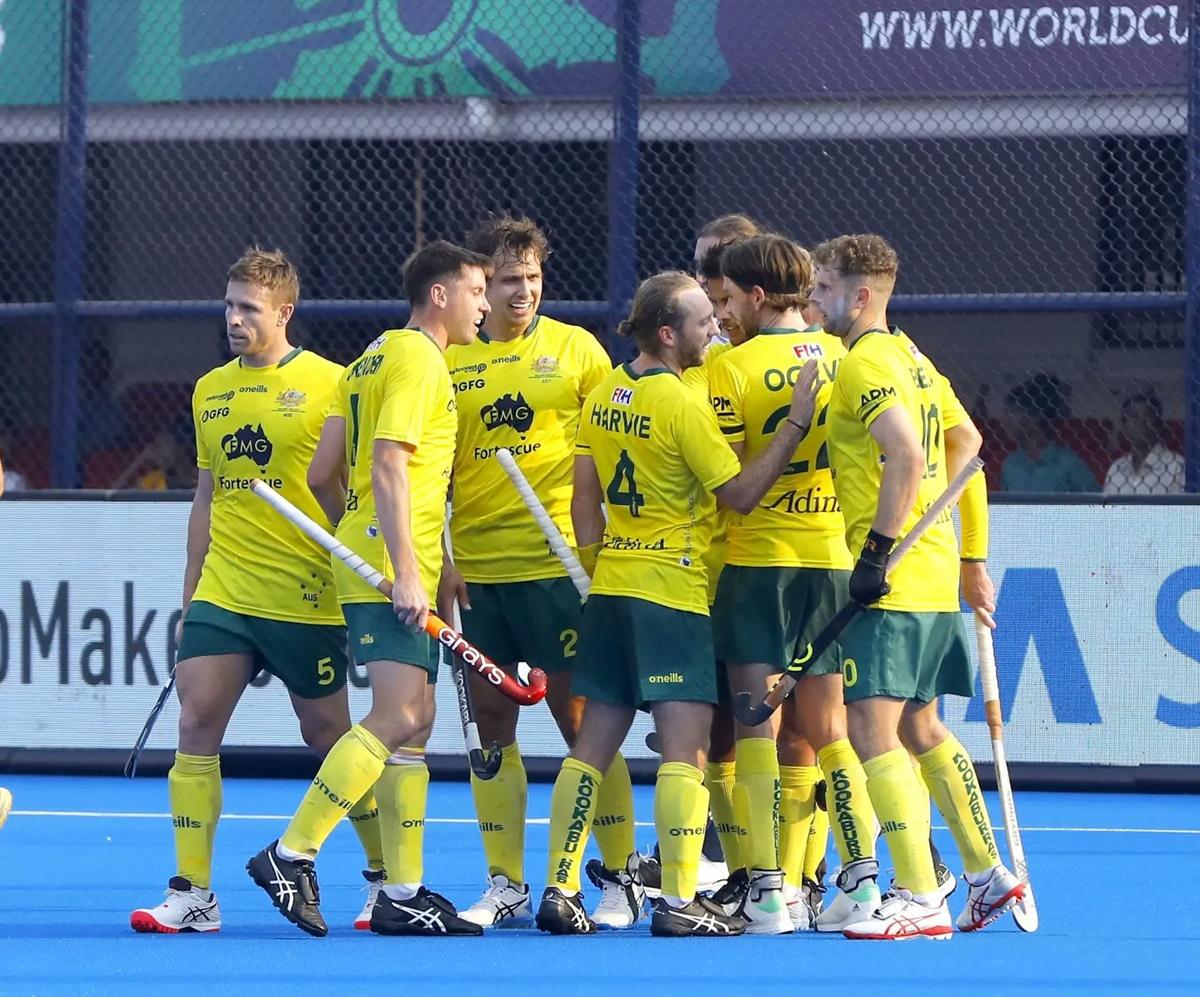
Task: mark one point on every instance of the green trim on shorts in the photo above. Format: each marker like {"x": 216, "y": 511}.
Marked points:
{"x": 912, "y": 656}
{"x": 376, "y": 635}
{"x": 309, "y": 658}
{"x": 761, "y": 613}
{"x": 633, "y": 652}
{"x": 535, "y": 621}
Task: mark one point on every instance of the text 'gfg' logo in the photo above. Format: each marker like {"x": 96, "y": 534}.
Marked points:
{"x": 249, "y": 442}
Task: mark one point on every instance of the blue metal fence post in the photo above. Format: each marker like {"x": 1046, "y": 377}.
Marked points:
{"x": 68, "y": 244}
{"x": 1191, "y": 386}
{"x": 623, "y": 173}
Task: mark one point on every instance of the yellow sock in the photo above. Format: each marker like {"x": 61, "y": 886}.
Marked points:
{"x": 572, "y": 805}
{"x": 950, "y": 774}
{"x": 364, "y": 818}
{"x": 500, "y": 804}
{"x": 194, "y": 788}
{"x": 896, "y": 797}
{"x": 719, "y": 778}
{"x": 798, "y": 800}
{"x": 348, "y": 772}
{"x": 403, "y": 791}
{"x": 680, "y": 817}
{"x": 757, "y": 785}
{"x": 850, "y": 815}
{"x": 612, "y": 824}
{"x": 921, "y": 784}
{"x": 818, "y": 845}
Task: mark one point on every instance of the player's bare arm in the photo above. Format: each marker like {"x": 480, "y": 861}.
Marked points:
{"x": 327, "y": 469}
{"x": 903, "y": 465}
{"x": 586, "y": 515}
{"x": 745, "y": 491}
{"x": 393, "y": 502}
{"x": 198, "y": 535}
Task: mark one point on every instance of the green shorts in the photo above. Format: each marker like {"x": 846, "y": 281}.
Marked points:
{"x": 376, "y": 635}
{"x": 916, "y": 656}
{"x": 761, "y": 613}
{"x": 633, "y": 652}
{"x": 309, "y": 658}
{"x": 535, "y": 621}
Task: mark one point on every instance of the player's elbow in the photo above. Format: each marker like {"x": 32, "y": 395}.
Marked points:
{"x": 735, "y": 498}
{"x": 964, "y": 440}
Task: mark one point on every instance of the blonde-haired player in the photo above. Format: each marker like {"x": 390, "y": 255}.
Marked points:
{"x": 648, "y": 448}
{"x": 257, "y": 594}
{"x": 887, "y": 447}
{"x": 521, "y": 385}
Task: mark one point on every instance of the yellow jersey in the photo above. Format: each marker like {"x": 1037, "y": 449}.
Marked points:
{"x": 658, "y": 453}
{"x": 264, "y": 422}
{"x": 799, "y": 522}
{"x": 398, "y": 390}
{"x": 697, "y": 378}
{"x": 882, "y": 371}
{"x": 525, "y": 395}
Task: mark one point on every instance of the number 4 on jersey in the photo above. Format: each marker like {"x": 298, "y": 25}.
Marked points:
{"x": 622, "y": 490}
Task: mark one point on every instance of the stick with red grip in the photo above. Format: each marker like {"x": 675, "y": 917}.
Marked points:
{"x": 527, "y": 688}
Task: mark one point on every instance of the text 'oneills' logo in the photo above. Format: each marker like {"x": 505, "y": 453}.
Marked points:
{"x": 250, "y": 442}
{"x": 508, "y": 411}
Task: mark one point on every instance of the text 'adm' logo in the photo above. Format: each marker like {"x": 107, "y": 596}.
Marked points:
{"x": 249, "y": 442}
{"x": 508, "y": 411}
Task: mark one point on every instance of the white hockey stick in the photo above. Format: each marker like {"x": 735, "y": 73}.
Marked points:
{"x": 554, "y": 537}
{"x": 1025, "y": 912}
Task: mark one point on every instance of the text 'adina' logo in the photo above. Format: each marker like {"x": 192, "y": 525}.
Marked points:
{"x": 250, "y": 442}
{"x": 508, "y": 411}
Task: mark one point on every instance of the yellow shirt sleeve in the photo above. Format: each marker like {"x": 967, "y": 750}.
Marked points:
{"x": 595, "y": 366}
{"x": 870, "y": 383}
{"x": 726, "y": 396}
{"x": 408, "y": 397}
{"x": 202, "y": 459}
{"x": 699, "y": 441}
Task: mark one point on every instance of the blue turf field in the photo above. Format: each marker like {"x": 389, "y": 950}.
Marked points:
{"x": 1114, "y": 877}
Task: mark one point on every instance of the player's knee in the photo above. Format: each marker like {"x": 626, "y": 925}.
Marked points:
{"x": 321, "y": 735}
{"x": 200, "y": 728}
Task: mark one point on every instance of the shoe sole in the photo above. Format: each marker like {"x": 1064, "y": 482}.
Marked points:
{"x": 6, "y": 802}
{"x": 694, "y": 934}
{"x": 504, "y": 923}
{"x": 309, "y": 929}
{"x": 144, "y": 924}
{"x": 1008, "y": 903}
{"x": 405, "y": 930}
{"x": 941, "y": 935}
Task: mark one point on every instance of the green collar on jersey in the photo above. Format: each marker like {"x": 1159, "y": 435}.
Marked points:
{"x": 779, "y": 330}
{"x": 287, "y": 358}
{"x": 649, "y": 371}
{"x": 893, "y": 331}
{"x": 525, "y": 335}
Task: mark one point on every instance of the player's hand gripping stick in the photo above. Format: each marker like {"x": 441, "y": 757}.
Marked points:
{"x": 752, "y": 714}
{"x": 528, "y": 688}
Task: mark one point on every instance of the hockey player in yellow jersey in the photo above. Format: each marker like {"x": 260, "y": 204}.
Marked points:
{"x": 392, "y": 432}
{"x": 648, "y": 448}
{"x": 889, "y": 457}
{"x": 787, "y": 564}
{"x": 521, "y": 385}
{"x": 257, "y": 594}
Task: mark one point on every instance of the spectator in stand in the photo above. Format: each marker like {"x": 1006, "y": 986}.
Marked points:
{"x": 166, "y": 462}
{"x": 1041, "y": 464}
{"x": 10, "y": 480}
{"x": 1149, "y": 467}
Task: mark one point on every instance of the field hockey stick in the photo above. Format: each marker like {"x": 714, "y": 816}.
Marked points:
{"x": 527, "y": 688}
{"x": 554, "y": 537}
{"x": 752, "y": 714}
{"x": 483, "y": 764}
{"x": 131, "y": 763}
{"x": 1025, "y": 912}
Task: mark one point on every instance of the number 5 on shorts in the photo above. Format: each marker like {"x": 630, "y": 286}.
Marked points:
{"x": 325, "y": 672}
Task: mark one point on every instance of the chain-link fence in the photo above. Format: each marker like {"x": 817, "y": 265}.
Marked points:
{"x": 1029, "y": 162}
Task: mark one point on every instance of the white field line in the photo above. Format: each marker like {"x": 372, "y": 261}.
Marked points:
{"x": 136, "y": 815}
